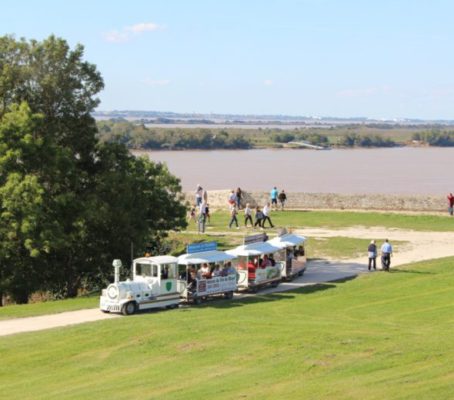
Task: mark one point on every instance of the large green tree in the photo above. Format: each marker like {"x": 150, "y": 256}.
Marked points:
{"x": 68, "y": 203}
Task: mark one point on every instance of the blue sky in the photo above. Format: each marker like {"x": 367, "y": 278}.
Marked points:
{"x": 377, "y": 59}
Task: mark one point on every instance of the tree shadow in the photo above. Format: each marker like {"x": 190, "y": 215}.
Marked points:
{"x": 410, "y": 271}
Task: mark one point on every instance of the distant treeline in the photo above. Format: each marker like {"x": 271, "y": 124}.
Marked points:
{"x": 435, "y": 138}
{"x": 140, "y": 136}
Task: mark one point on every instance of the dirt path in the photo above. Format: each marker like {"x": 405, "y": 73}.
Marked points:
{"x": 421, "y": 246}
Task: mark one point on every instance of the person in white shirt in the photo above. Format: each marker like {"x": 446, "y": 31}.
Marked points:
{"x": 266, "y": 215}
{"x": 248, "y": 215}
{"x": 204, "y": 271}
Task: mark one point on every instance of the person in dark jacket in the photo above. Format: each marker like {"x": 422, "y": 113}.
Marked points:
{"x": 372, "y": 255}
{"x": 258, "y": 217}
{"x": 282, "y": 197}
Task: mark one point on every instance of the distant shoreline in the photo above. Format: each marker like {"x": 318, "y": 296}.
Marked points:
{"x": 336, "y": 201}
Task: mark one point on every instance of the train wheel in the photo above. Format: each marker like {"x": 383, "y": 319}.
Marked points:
{"x": 275, "y": 284}
{"x": 197, "y": 301}
{"x": 129, "y": 308}
{"x": 228, "y": 295}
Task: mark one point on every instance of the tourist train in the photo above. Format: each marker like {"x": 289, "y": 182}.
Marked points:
{"x": 204, "y": 272}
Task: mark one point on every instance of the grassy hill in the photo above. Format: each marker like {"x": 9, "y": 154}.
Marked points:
{"x": 380, "y": 336}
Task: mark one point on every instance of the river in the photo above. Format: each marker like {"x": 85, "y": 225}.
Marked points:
{"x": 403, "y": 170}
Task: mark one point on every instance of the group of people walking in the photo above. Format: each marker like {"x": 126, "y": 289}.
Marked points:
{"x": 261, "y": 216}
{"x": 386, "y": 252}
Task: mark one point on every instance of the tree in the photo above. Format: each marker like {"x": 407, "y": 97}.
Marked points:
{"x": 70, "y": 202}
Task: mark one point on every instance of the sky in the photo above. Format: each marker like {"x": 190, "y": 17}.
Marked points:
{"x": 351, "y": 58}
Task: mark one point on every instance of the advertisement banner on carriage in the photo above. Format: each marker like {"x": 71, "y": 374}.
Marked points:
{"x": 268, "y": 273}
{"x": 218, "y": 284}
{"x": 201, "y": 247}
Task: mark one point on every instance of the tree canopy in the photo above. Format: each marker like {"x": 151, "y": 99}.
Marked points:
{"x": 68, "y": 203}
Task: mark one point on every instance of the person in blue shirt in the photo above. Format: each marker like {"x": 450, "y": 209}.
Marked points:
{"x": 273, "y": 194}
{"x": 386, "y": 251}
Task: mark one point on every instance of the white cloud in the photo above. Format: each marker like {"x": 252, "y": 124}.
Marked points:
{"x": 143, "y": 27}
{"x": 156, "y": 82}
{"x": 267, "y": 82}
{"x": 129, "y": 32}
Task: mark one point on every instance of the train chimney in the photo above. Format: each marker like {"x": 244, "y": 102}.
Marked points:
{"x": 117, "y": 265}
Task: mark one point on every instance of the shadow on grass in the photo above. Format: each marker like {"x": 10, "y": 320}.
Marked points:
{"x": 249, "y": 299}
{"x": 410, "y": 271}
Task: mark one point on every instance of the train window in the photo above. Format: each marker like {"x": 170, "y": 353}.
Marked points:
{"x": 143, "y": 269}
{"x": 171, "y": 273}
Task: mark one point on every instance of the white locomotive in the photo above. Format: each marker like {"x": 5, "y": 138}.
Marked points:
{"x": 154, "y": 285}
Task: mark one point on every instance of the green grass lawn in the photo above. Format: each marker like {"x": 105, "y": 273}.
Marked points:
{"x": 379, "y": 336}
{"x": 48, "y": 307}
{"x": 342, "y": 219}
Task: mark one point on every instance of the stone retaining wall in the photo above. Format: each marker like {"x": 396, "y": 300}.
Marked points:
{"x": 305, "y": 201}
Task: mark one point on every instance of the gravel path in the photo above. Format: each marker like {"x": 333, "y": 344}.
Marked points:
{"x": 422, "y": 246}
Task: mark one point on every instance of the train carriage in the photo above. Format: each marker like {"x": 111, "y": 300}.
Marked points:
{"x": 206, "y": 272}
{"x": 292, "y": 254}
{"x": 255, "y": 263}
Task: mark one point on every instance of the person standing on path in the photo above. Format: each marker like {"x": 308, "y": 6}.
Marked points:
{"x": 282, "y": 199}
{"x": 386, "y": 251}
{"x": 372, "y": 255}
{"x": 233, "y": 214}
{"x": 239, "y": 195}
{"x": 273, "y": 195}
{"x": 202, "y": 218}
{"x": 232, "y": 197}
{"x": 266, "y": 215}
{"x": 450, "y": 204}
{"x": 198, "y": 195}
{"x": 248, "y": 215}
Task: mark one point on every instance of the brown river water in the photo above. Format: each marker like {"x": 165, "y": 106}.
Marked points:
{"x": 404, "y": 170}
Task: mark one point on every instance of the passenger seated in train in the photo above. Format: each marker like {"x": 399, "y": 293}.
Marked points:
{"x": 228, "y": 269}
{"x": 204, "y": 271}
{"x": 216, "y": 271}
{"x": 299, "y": 251}
{"x": 165, "y": 273}
{"x": 265, "y": 262}
{"x": 192, "y": 279}
{"x": 251, "y": 267}
{"x": 272, "y": 260}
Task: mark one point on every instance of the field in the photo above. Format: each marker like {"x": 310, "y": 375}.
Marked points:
{"x": 331, "y": 248}
{"x": 378, "y": 336}
{"x": 340, "y": 219}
